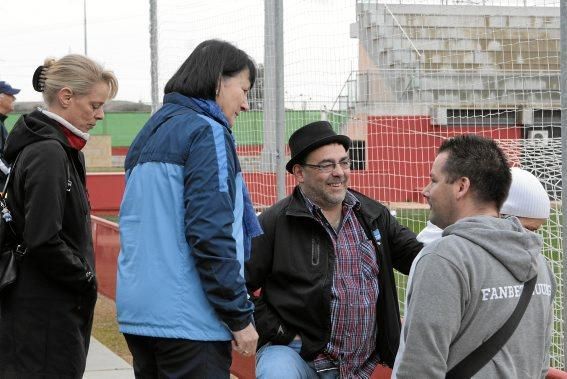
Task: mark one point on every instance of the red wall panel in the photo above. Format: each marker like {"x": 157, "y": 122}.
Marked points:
{"x": 105, "y": 192}
{"x": 106, "y": 242}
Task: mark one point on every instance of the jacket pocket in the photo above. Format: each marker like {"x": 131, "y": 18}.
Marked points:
{"x": 270, "y": 326}
{"x": 315, "y": 251}
{"x": 88, "y": 282}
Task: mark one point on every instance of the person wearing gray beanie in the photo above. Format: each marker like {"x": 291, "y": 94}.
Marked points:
{"x": 527, "y": 200}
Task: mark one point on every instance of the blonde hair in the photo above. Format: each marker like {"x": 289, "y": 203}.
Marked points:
{"x": 76, "y": 72}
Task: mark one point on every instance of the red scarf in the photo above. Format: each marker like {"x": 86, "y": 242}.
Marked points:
{"x": 75, "y": 141}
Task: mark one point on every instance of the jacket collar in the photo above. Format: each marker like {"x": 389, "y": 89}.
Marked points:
{"x": 203, "y": 106}
{"x": 368, "y": 208}
{"x": 350, "y": 201}
{"x": 297, "y": 206}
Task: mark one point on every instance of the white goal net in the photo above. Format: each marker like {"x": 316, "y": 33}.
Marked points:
{"x": 398, "y": 77}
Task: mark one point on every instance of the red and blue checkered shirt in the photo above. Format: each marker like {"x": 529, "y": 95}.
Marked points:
{"x": 354, "y": 295}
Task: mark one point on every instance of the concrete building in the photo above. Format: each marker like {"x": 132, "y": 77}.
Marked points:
{"x": 432, "y": 71}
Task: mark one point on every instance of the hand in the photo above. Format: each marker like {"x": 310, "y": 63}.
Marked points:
{"x": 91, "y": 283}
{"x": 245, "y": 341}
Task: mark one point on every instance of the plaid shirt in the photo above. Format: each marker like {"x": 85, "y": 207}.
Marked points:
{"x": 354, "y": 295}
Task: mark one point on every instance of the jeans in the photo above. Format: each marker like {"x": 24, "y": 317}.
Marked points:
{"x": 284, "y": 362}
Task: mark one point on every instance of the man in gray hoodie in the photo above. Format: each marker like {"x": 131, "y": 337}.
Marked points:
{"x": 466, "y": 285}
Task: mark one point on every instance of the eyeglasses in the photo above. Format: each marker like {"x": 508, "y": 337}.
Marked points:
{"x": 330, "y": 167}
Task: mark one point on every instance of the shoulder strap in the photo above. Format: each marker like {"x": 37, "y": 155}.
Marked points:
{"x": 3, "y": 194}
{"x": 6, "y": 215}
{"x": 476, "y": 360}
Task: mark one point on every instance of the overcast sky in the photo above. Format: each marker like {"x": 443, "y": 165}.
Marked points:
{"x": 32, "y": 30}
{"x": 319, "y": 52}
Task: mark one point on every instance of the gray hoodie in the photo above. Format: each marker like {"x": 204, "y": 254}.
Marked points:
{"x": 463, "y": 287}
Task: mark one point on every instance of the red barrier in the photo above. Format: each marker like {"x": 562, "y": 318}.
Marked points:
{"x": 243, "y": 367}
{"x": 554, "y": 373}
{"x": 105, "y": 191}
{"x": 381, "y": 372}
{"x": 106, "y": 241}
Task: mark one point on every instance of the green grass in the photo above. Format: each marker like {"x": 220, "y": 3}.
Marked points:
{"x": 415, "y": 220}
{"x": 112, "y": 218}
{"x": 249, "y": 128}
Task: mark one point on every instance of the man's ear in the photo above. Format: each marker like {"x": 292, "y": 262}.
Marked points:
{"x": 462, "y": 187}
{"x": 298, "y": 173}
{"x": 64, "y": 97}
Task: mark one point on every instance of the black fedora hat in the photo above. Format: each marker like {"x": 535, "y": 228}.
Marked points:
{"x": 310, "y": 137}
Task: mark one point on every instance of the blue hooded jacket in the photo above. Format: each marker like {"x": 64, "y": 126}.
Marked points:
{"x": 185, "y": 223}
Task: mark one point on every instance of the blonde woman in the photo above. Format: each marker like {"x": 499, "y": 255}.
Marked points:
{"x": 46, "y": 316}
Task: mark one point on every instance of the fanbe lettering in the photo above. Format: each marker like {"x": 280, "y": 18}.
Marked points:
{"x": 509, "y": 292}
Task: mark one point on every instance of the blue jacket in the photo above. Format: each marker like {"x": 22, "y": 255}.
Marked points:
{"x": 180, "y": 269}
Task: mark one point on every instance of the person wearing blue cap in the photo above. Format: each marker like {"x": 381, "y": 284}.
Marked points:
{"x": 7, "y": 98}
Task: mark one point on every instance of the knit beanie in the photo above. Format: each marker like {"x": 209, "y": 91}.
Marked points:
{"x": 527, "y": 197}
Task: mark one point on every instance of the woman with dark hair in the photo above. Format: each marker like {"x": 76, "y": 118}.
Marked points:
{"x": 186, "y": 222}
{"x": 46, "y": 316}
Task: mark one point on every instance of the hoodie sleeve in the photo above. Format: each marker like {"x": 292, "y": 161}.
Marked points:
{"x": 45, "y": 180}
{"x": 435, "y": 302}
{"x": 209, "y": 195}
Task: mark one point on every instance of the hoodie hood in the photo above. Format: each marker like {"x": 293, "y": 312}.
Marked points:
{"x": 505, "y": 239}
{"x": 31, "y": 128}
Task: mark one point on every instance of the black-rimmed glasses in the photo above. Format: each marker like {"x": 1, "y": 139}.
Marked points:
{"x": 330, "y": 167}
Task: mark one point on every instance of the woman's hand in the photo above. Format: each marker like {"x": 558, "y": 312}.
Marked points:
{"x": 245, "y": 341}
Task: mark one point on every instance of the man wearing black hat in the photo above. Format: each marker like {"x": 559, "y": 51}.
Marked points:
{"x": 7, "y": 98}
{"x": 327, "y": 303}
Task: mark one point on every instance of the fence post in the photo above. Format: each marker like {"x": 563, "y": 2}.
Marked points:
{"x": 563, "y": 87}
{"x": 274, "y": 112}
{"x": 154, "y": 55}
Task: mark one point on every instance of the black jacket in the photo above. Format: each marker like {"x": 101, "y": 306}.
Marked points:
{"x": 55, "y": 292}
{"x": 3, "y": 136}
{"x": 293, "y": 263}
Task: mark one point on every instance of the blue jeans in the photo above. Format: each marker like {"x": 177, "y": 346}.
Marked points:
{"x": 284, "y": 362}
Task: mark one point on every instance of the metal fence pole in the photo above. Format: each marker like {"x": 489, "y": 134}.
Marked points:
{"x": 274, "y": 111}
{"x": 154, "y": 55}
{"x": 563, "y": 87}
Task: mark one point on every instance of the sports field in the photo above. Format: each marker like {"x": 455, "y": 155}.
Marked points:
{"x": 123, "y": 126}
